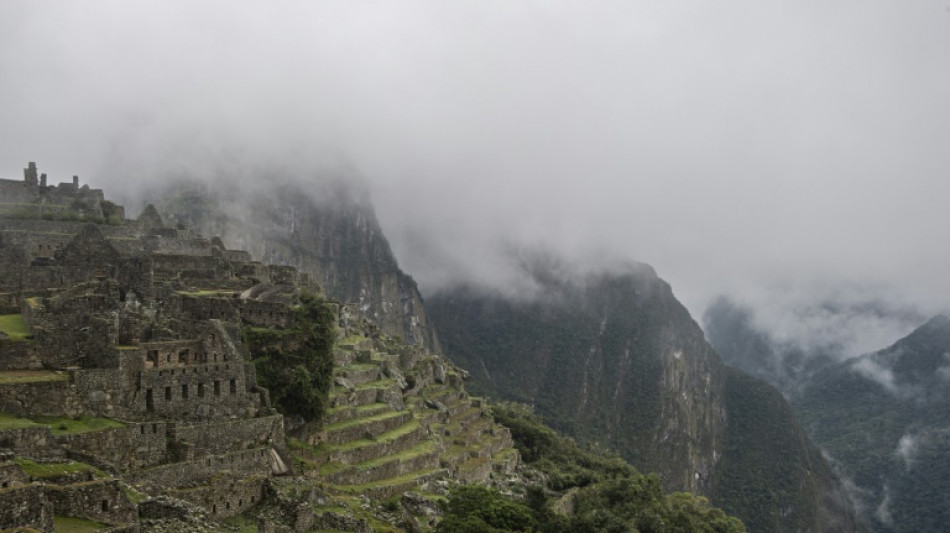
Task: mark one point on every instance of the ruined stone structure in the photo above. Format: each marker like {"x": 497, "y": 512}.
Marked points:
{"x": 33, "y": 198}
{"x": 136, "y": 326}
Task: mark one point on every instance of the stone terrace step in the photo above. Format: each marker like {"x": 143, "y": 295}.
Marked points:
{"x": 419, "y": 457}
{"x": 369, "y": 426}
{"x": 389, "y": 443}
{"x": 443, "y": 394}
{"x": 350, "y": 412}
{"x": 474, "y": 469}
{"x": 358, "y": 374}
{"x": 389, "y": 487}
{"x": 364, "y": 393}
{"x": 465, "y": 416}
{"x": 469, "y": 433}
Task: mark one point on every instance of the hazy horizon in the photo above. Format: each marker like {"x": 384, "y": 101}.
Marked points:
{"x": 785, "y": 154}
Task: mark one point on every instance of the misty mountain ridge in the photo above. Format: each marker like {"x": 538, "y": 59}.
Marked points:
{"x": 882, "y": 417}
{"x": 613, "y": 358}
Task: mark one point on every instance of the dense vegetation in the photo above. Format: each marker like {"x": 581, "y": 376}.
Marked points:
{"x": 882, "y": 417}
{"x": 595, "y": 492}
{"x": 890, "y": 434}
{"x": 296, "y": 364}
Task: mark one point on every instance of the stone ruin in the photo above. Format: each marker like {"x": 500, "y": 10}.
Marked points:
{"x": 138, "y": 324}
{"x": 121, "y": 327}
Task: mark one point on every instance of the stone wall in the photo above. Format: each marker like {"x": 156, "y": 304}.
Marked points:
{"x": 53, "y": 398}
{"x": 102, "y": 500}
{"x": 227, "y": 496}
{"x": 11, "y": 475}
{"x": 224, "y": 436}
{"x": 25, "y": 506}
{"x": 265, "y": 314}
{"x": 243, "y": 463}
{"x": 33, "y": 442}
{"x": 19, "y": 355}
{"x": 136, "y": 446}
{"x": 196, "y": 391}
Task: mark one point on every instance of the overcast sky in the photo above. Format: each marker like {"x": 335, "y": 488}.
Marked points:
{"x": 778, "y": 151}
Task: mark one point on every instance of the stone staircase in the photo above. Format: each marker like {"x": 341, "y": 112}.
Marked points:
{"x": 398, "y": 421}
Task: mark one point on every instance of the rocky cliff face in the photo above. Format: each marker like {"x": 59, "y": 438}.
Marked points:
{"x": 329, "y": 231}
{"x": 616, "y": 359}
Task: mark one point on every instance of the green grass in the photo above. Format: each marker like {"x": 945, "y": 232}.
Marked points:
{"x": 32, "y": 376}
{"x": 8, "y": 421}
{"x": 409, "y": 453}
{"x": 70, "y": 524}
{"x": 14, "y": 327}
{"x": 242, "y": 524}
{"x": 412, "y": 425}
{"x": 73, "y": 426}
{"x": 351, "y": 339}
{"x": 53, "y": 470}
{"x": 359, "y": 421}
{"x": 207, "y": 292}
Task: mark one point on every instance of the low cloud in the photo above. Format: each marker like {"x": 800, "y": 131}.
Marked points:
{"x": 754, "y": 150}
{"x": 907, "y": 449}
{"x": 866, "y": 367}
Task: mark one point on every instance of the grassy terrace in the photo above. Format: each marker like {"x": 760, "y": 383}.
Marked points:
{"x": 404, "y": 429}
{"x": 411, "y": 476}
{"x": 58, "y": 425}
{"x": 208, "y": 292}
{"x": 32, "y": 376}
{"x": 365, "y": 420}
{"x": 14, "y": 327}
{"x": 409, "y": 453}
{"x": 69, "y": 524}
{"x": 8, "y": 421}
{"x": 53, "y": 470}
{"x": 71, "y": 426}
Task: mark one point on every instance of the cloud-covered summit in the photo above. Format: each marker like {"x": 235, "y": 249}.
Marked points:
{"x": 770, "y": 151}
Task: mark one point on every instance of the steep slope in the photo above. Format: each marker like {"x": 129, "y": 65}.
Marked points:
{"x": 885, "y": 417}
{"x": 615, "y": 358}
{"x": 882, "y": 417}
{"x": 328, "y": 230}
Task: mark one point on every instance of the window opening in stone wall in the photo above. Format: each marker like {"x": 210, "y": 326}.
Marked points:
{"x": 217, "y": 388}
{"x": 184, "y": 391}
{"x": 154, "y": 428}
{"x": 105, "y": 506}
{"x": 168, "y": 393}
{"x": 233, "y": 387}
{"x": 149, "y": 401}
{"x": 201, "y": 390}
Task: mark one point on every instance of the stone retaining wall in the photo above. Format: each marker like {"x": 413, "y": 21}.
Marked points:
{"x": 25, "y": 506}
{"x": 101, "y": 500}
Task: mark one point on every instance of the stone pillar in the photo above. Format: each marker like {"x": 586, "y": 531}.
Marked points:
{"x": 43, "y": 180}
{"x": 29, "y": 173}
{"x": 76, "y": 181}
